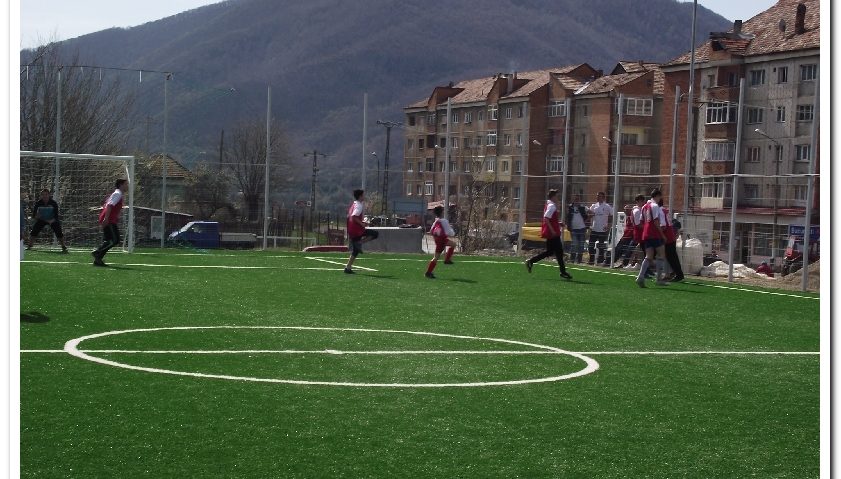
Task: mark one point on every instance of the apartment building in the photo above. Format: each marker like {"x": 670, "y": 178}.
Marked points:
{"x": 777, "y": 52}
{"x": 499, "y": 131}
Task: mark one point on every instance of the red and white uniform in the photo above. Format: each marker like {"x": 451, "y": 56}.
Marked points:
{"x": 550, "y": 217}
{"x": 354, "y": 229}
{"x": 116, "y": 202}
{"x": 637, "y": 216}
{"x": 441, "y": 232}
{"x": 651, "y": 218}
{"x": 628, "y": 232}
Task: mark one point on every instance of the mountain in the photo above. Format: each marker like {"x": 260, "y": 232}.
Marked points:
{"x": 320, "y": 56}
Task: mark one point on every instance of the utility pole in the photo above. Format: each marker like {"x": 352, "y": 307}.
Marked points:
{"x": 314, "y": 154}
{"x": 222, "y": 148}
{"x": 388, "y": 126}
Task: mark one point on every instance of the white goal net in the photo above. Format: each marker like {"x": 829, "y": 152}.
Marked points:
{"x": 79, "y": 183}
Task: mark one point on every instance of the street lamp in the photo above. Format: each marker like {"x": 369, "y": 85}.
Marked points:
{"x": 777, "y": 151}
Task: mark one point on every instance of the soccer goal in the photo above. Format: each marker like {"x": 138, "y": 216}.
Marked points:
{"x": 79, "y": 183}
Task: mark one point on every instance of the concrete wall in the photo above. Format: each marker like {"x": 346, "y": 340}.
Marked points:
{"x": 396, "y": 240}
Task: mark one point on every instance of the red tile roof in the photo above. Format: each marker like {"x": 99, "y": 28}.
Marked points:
{"x": 642, "y": 66}
{"x": 767, "y": 34}
{"x": 174, "y": 169}
{"x": 608, "y": 83}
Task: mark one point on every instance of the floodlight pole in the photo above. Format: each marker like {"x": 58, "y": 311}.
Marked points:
{"x": 57, "y": 138}
{"x": 167, "y": 77}
{"x": 689, "y": 121}
{"x": 618, "y": 139}
{"x": 735, "y": 195}
{"x": 364, "y": 135}
{"x": 807, "y": 224}
{"x": 266, "y": 212}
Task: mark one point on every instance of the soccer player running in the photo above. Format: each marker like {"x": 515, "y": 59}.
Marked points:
{"x": 551, "y": 230}
{"x": 653, "y": 240}
{"x": 356, "y": 229}
{"x": 45, "y": 213}
{"x": 108, "y": 220}
{"x": 441, "y": 231}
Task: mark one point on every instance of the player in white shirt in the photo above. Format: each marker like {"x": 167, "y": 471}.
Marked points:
{"x": 441, "y": 231}
{"x": 602, "y": 218}
{"x": 356, "y": 228}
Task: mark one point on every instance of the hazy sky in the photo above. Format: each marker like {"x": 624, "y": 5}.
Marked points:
{"x": 64, "y": 19}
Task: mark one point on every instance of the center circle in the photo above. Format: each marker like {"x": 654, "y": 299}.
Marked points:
{"x": 72, "y": 348}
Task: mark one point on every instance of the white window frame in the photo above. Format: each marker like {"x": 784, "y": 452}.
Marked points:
{"x": 509, "y": 112}
{"x": 805, "y": 113}
{"x": 506, "y": 139}
{"x": 720, "y": 112}
{"x": 639, "y": 106}
{"x": 782, "y": 75}
{"x": 430, "y": 118}
{"x": 753, "y": 154}
{"x": 493, "y": 111}
{"x": 430, "y": 165}
{"x": 799, "y": 192}
{"x": 490, "y": 164}
{"x": 521, "y": 110}
{"x": 409, "y": 189}
{"x": 491, "y": 138}
{"x": 468, "y": 117}
{"x": 518, "y": 166}
{"x": 427, "y": 188}
{"x": 519, "y": 139}
{"x": 630, "y": 138}
{"x": 410, "y": 167}
{"x": 718, "y": 151}
{"x": 503, "y": 166}
{"x": 809, "y": 72}
{"x": 419, "y": 189}
{"x": 466, "y": 165}
{"x": 455, "y": 143}
{"x": 716, "y": 188}
{"x": 557, "y": 109}
{"x": 757, "y": 77}
{"x": 801, "y": 152}
{"x": 556, "y": 164}
{"x": 454, "y": 117}
{"x": 632, "y": 165}
{"x": 781, "y": 114}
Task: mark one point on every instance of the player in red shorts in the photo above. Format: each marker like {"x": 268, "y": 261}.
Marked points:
{"x": 653, "y": 240}
{"x": 356, "y": 231}
{"x": 551, "y": 230}
{"x": 441, "y": 231}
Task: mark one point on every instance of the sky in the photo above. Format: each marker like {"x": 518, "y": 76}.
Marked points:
{"x": 44, "y": 20}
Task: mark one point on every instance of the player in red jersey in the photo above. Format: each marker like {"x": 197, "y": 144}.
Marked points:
{"x": 551, "y": 230}
{"x": 108, "y": 220}
{"x": 653, "y": 240}
{"x": 356, "y": 228}
{"x": 441, "y": 231}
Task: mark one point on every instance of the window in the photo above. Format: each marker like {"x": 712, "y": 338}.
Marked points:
{"x": 781, "y": 114}
{"x": 515, "y": 195}
{"x": 492, "y": 138}
{"x": 805, "y": 112}
{"x": 583, "y": 140}
{"x": 419, "y": 190}
{"x": 409, "y": 166}
{"x": 430, "y": 164}
{"x": 638, "y": 106}
{"x": 420, "y": 167}
{"x": 467, "y": 142}
{"x": 782, "y": 74}
{"x": 408, "y": 189}
{"x": 468, "y": 117}
{"x": 630, "y": 139}
{"x": 479, "y": 140}
{"x": 466, "y": 166}
{"x": 556, "y": 164}
{"x": 518, "y": 166}
{"x": 632, "y": 165}
{"x": 490, "y": 164}
{"x": 410, "y": 144}
{"x": 557, "y": 108}
{"x": 519, "y": 139}
{"x": 430, "y": 119}
{"x": 779, "y": 153}
{"x": 442, "y": 142}
{"x": 757, "y": 77}
{"x": 443, "y": 118}
{"x": 411, "y": 120}
{"x": 754, "y": 154}
{"x": 719, "y": 151}
{"x": 481, "y": 115}
{"x": 493, "y": 111}
{"x": 427, "y": 188}
{"x": 755, "y": 115}
{"x": 521, "y": 111}
{"x": 420, "y": 143}
{"x": 732, "y": 79}
{"x": 721, "y": 112}
{"x": 714, "y": 188}
{"x": 506, "y": 139}
{"x": 800, "y": 192}
{"x": 808, "y": 72}
{"x": 801, "y": 152}
{"x": 508, "y": 112}
{"x": 455, "y": 143}
{"x": 453, "y": 166}
{"x": 454, "y": 117}
{"x": 751, "y": 192}
{"x": 504, "y": 166}
{"x": 441, "y": 166}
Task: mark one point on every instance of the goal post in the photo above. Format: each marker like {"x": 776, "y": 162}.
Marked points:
{"x": 79, "y": 183}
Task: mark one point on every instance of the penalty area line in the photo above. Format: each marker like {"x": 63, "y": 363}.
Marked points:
{"x": 430, "y": 352}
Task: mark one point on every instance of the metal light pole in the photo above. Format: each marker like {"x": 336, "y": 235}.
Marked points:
{"x": 616, "y": 177}
{"x": 777, "y": 161}
{"x": 567, "y": 105}
{"x": 163, "y": 161}
{"x": 268, "y": 153}
{"x": 364, "y": 134}
{"x": 732, "y": 246}
{"x": 673, "y": 165}
{"x": 689, "y": 120}
{"x": 807, "y": 225}
{"x": 447, "y": 161}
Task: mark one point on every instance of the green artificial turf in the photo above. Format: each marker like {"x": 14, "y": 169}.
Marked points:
{"x": 673, "y": 415}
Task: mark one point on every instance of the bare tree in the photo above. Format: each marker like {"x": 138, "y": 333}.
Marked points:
{"x": 482, "y": 221}
{"x": 208, "y": 190}
{"x": 246, "y": 160}
{"x": 93, "y": 111}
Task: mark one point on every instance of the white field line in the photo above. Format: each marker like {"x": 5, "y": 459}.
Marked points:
{"x": 339, "y": 263}
{"x": 210, "y": 266}
{"x": 428, "y": 352}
